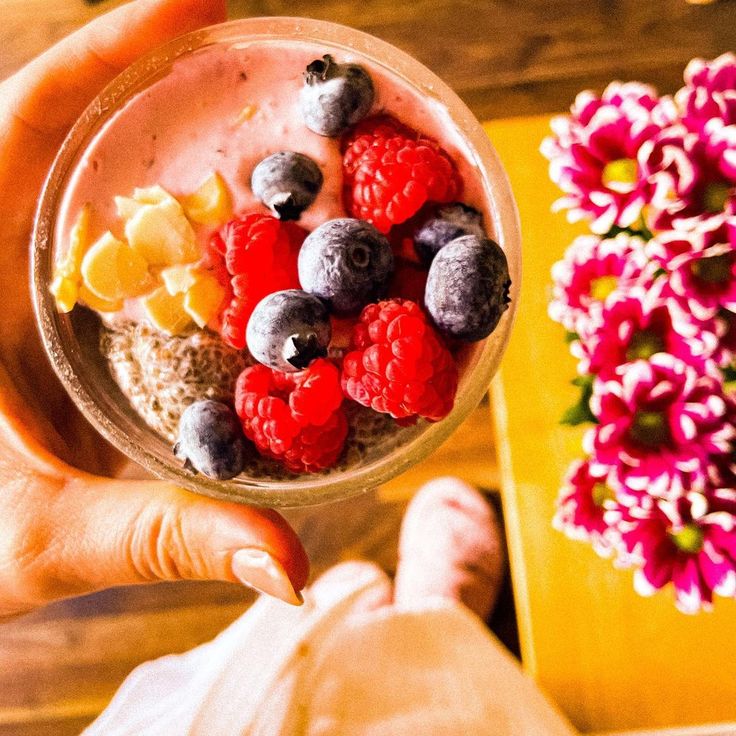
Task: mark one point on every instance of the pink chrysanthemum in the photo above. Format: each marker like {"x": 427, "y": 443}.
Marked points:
{"x": 693, "y": 177}
{"x": 660, "y": 420}
{"x": 635, "y": 324}
{"x": 709, "y": 92}
{"x": 591, "y": 269}
{"x": 581, "y": 508}
{"x": 593, "y": 153}
{"x": 725, "y": 330}
{"x": 690, "y": 542}
{"x": 701, "y": 270}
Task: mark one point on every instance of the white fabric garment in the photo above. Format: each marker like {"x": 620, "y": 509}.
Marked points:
{"x": 344, "y": 664}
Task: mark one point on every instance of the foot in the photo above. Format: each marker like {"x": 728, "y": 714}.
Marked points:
{"x": 451, "y": 547}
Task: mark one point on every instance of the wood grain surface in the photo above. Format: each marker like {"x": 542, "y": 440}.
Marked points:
{"x": 59, "y": 666}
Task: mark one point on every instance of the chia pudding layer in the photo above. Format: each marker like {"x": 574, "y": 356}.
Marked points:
{"x": 223, "y": 109}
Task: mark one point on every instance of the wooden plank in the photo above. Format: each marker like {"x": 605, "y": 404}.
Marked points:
{"x": 611, "y": 659}
{"x": 504, "y": 58}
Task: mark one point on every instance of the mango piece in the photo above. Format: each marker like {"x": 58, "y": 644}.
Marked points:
{"x": 166, "y": 312}
{"x": 161, "y": 234}
{"x": 66, "y": 292}
{"x": 71, "y": 262}
{"x": 99, "y": 305}
{"x": 65, "y": 284}
{"x": 203, "y": 299}
{"x": 127, "y": 206}
{"x": 211, "y": 204}
{"x": 178, "y": 279}
{"x": 112, "y": 270}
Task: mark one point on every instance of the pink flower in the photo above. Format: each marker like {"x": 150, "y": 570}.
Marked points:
{"x": 709, "y": 92}
{"x": 581, "y": 508}
{"x": 725, "y": 330}
{"x": 591, "y": 269}
{"x": 634, "y": 324}
{"x": 701, "y": 270}
{"x": 692, "y": 176}
{"x": 690, "y": 542}
{"x": 593, "y": 154}
{"x": 660, "y": 420}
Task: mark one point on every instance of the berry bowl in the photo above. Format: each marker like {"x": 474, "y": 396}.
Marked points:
{"x": 276, "y": 261}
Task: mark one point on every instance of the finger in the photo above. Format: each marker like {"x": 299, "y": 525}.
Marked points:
{"x": 92, "y": 533}
{"x": 49, "y": 93}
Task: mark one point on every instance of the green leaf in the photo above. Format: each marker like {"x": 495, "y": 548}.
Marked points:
{"x": 729, "y": 373}
{"x": 571, "y": 337}
{"x": 580, "y": 413}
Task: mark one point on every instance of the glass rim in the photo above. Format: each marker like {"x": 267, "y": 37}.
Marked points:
{"x": 302, "y": 490}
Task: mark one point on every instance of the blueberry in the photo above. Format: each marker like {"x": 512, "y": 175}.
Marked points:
{"x": 347, "y": 263}
{"x": 288, "y": 330}
{"x": 335, "y": 96}
{"x": 468, "y": 288}
{"x": 287, "y": 183}
{"x": 447, "y": 223}
{"x": 211, "y": 440}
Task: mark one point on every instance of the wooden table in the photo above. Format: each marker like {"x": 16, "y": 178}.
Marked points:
{"x": 611, "y": 659}
{"x": 59, "y": 666}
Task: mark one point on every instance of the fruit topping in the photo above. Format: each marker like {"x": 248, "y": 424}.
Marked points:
{"x": 67, "y": 276}
{"x": 211, "y": 440}
{"x": 211, "y": 204}
{"x": 398, "y": 364}
{"x": 287, "y": 183}
{"x": 335, "y": 96}
{"x": 468, "y": 288}
{"x": 347, "y": 263}
{"x": 204, "y": 298}
{"x": 447, "y": 223}
{"x": 166, "y": 311}
{"x": 112, "y": 270}
{"x": 296, "y": 418}
{"x": 260, "y": 254}
{"x": 288, "y": 330}
{"x": 158, "y": 229}
{"x": 389, "y": 173}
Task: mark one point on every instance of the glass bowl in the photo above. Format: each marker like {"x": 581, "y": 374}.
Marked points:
{"x": 71, "y": 340}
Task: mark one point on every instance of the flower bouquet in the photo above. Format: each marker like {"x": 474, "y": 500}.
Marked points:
{"x": 649, "y": 305}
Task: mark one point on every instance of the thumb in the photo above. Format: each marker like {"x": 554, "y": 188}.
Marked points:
{"x": 93, "y": 533}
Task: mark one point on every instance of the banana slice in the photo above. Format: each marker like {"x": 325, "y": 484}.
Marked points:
{"x": 211, "y": 204}
{"x": 203, "y": 299}
{"x": 112, "y": 270}
{"x": 166, "y": 312}
{"x": 178, "y": 279}
{"x": 161, "y": 234}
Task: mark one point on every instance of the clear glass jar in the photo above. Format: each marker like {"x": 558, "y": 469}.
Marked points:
{"x": 71, "y": 339}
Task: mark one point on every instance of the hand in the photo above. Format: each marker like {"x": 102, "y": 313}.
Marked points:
{"x": 64, "y": 529}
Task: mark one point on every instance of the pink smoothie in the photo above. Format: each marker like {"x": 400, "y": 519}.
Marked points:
{"x": 190, "y": 123}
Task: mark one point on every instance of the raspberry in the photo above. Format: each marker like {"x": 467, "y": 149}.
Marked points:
{"x": 390, "y": 172}
{"x": 296, "y": 418}
{"x": 259, "y": 254}
{"x": 399, "y": 364}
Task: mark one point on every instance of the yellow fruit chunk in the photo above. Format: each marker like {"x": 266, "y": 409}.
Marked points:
{"x": 166, "y": 312}
{"x": 112, "y": 270}
{"x": 78, "y": 243}
{"x": 99, "y": 305}
{"x": 161, "y": 234}
{"x": 203, "y": 299}
{"x": 128, "y": 206}
{"x": 177, "y": 279}
{"x": 65, "y": 285}
{"x": 211, "y": 204}
{"x": 66, "y": 291}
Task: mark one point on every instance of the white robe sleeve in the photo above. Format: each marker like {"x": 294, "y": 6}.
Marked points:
{"x": 341, "y": 665}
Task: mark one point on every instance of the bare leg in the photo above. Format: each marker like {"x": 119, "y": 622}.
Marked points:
{"x": 450, "y": 546}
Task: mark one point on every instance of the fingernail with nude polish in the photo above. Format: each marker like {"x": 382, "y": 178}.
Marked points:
{"x": 259, "y": 570}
